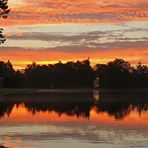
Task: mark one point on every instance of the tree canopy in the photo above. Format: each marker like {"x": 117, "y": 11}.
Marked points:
{"x": 79, "y": 74}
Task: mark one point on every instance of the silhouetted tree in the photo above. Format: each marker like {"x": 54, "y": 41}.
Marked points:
{"x": 2, "y": 38}
{"x": 20, "y": 80}
{"x": 4, "y": 11}
{"x": 12, "y": 78}
{"x": 141, "y": 75}
{"x": 38, "y": 76}
{"x": 101, "y": 71}
{"x": 84, "y": 73}
{"x": 79, "y": 74}
{"x": 60, "y": 75}
{"x": 115, "y": 74}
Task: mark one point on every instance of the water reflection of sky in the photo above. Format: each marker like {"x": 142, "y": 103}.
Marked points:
{"x": 32, "y": 123}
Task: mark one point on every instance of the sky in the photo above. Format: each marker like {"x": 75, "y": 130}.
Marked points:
{"x": 46, "y": 31}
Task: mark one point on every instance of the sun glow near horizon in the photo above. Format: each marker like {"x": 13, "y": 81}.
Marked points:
{"x": 46, "y": 32}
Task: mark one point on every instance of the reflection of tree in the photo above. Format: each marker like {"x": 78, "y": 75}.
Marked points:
{"x": 71, "y": 109}
{"x": 120, "y": 105}
{"x": 4, "y": 11}
{"x": 63, "y": 103}
{"x": 5, "y": 109}
{"x": 116, "y": 104}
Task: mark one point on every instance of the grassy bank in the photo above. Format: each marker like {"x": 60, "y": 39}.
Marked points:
{"x": 9, "y": 90}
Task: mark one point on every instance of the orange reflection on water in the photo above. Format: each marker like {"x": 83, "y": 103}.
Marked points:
{"x": 21, "y": 115}
{"x": 133, "y": 117}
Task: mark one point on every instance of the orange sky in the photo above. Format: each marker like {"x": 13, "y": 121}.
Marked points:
{"x": 79, "y": 11}
{"x": 21, "y": 58}
{"x": 47, "y": 31}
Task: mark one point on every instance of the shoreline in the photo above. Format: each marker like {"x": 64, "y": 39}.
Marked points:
{"x": 72, "y": 90}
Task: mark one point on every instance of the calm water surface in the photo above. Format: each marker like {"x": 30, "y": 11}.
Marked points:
{"x": 74, "y": 120}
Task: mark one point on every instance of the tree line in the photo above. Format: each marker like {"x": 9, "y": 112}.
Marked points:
{"x": 79, "y": 74}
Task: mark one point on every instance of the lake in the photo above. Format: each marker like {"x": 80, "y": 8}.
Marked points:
{"x": 87, "y": 119}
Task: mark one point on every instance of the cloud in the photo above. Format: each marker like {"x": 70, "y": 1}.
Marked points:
{"x": 78, "y": 11}
{"x": 94, "y": 40}
{"x": 35, "y": 39}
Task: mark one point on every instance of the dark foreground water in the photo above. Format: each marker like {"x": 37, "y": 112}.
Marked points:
{"x": 74, "y": 120}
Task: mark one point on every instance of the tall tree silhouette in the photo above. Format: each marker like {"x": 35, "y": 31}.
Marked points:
{"x": 4, "y": 11}
{"x": 2, "y": 38}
